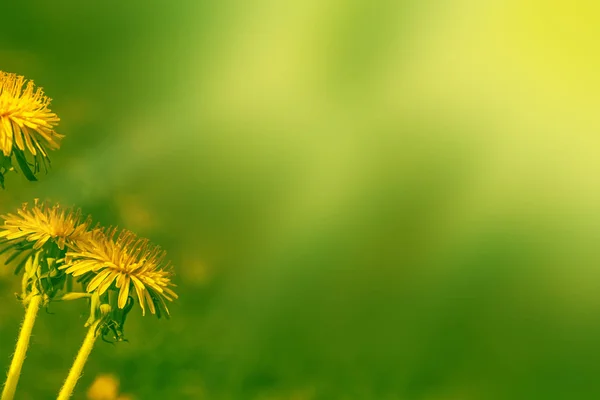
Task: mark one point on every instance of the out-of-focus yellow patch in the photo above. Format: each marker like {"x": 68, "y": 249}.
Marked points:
{"x": 564, "y": 34}
{"x": 299, "y": 394}
{"x": 532, "y": 53}
{"x": 135, "y": 213}
{"x": 106, "y": 387}
{"x": 197, "y": 271}
{"x": 525, "y": 74}
{"x": 545, "y": 52}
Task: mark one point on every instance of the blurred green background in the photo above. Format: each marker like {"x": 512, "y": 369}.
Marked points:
{"x": 363, "y": 199}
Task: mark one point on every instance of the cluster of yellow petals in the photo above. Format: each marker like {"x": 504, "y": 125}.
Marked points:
{"x": 127, "y": 261}
{"x": 26, "y": 122}
{"x": 44, "y": 222}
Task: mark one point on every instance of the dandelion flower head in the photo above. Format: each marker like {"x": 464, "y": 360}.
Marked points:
{"x": 26, "y": 122}
{"x": 125, "y": 263}
{"x": 33, "y": 227}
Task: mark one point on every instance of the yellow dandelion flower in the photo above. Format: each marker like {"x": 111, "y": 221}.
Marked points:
{"x": 126, "y": 263}
{"x": 26, "y": 122}
{"x": 42, "y": 223}
{"x": 25, "y": 118}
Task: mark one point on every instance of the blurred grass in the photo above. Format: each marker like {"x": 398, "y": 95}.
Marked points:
{"x": 363, "y": 199}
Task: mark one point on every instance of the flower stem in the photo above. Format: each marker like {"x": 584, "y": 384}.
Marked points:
{"x": 86, "y": 348}
{"x": 14, "y": 372}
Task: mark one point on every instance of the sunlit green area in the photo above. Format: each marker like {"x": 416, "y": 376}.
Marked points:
{"x": 362, "y": 199}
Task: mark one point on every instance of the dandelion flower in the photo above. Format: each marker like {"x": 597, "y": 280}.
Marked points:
{"x": 42, "y": 223}
{"x": 26, "y": 122}
{"x": 33, "y": 227}
{"x": 126, "y": 263}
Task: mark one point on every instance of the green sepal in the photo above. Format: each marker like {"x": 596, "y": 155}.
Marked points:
{"x": 24, "y": 165}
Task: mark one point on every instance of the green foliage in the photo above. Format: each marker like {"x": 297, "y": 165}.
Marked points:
{"x": 361, "y": 202}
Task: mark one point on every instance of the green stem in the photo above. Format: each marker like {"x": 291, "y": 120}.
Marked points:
{"x": 86, "y": 348}
{"x": 14, "y": 372}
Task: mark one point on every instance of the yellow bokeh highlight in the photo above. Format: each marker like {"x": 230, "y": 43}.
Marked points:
{"x": 106, "y": 387}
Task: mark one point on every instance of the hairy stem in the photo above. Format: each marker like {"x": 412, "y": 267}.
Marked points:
{"x": 8, "y": 393}
{"x": 86, "y": 348}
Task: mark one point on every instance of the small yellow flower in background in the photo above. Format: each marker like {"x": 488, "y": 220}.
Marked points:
{"x": 26, "y": 123}
{"x": 130, "y": 262}
{"x": 106, "y": 387}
